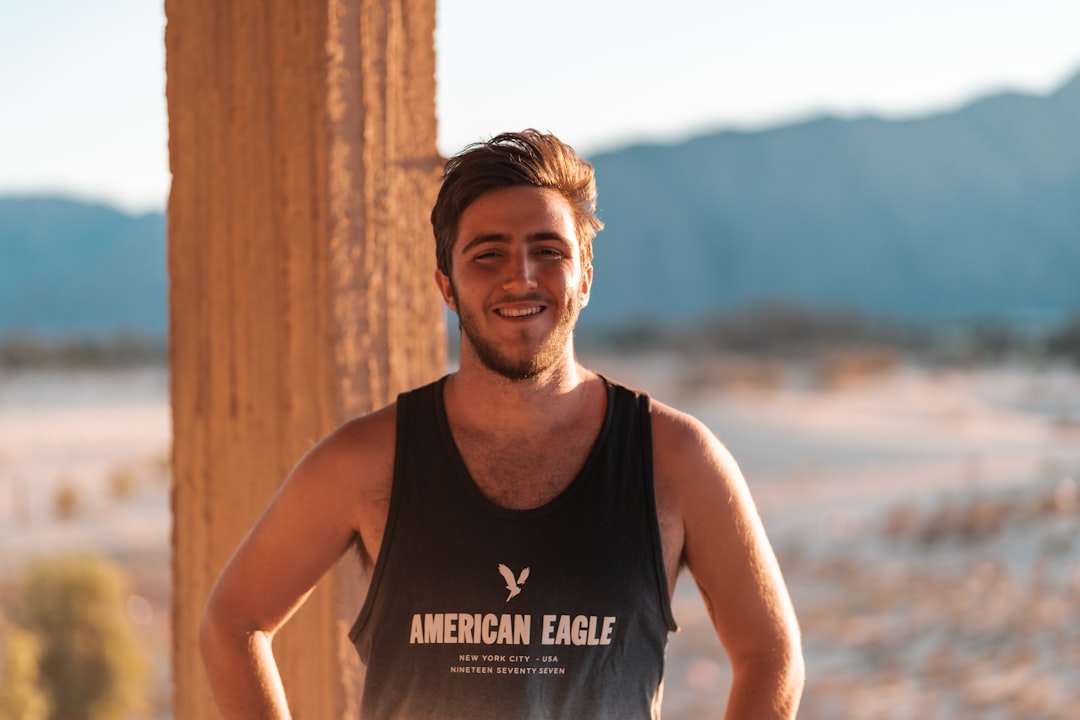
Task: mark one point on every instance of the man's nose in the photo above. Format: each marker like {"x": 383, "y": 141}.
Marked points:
{"x": 521, "y": 270}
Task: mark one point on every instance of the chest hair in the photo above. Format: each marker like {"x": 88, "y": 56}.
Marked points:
{"x": 526, "y": 472}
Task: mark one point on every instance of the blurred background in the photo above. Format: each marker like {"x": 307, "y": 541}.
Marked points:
{"x": 844, "y": 234}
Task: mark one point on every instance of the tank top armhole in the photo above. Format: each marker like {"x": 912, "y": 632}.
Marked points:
{"x": 645, "y": 418}
{"x": 403, "y": 402}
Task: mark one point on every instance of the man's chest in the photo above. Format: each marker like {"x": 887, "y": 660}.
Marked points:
{"x": 522, "y": 473}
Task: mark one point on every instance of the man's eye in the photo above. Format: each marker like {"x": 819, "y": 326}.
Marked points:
{"x": 550, "y": 252}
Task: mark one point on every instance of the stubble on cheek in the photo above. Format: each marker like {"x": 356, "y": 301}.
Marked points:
{"x": 496, "y": 359}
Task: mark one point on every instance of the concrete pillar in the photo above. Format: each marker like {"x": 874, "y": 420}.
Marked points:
{"x": 302, "y": 147}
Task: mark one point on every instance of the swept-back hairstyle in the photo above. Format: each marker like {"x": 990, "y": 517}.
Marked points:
{"x": 510, "y": 160}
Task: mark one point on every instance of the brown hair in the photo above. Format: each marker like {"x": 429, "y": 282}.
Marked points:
{"x": 510, "y": 160}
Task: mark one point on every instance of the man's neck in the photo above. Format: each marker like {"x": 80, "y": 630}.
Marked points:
{"x": 479, "y": 396}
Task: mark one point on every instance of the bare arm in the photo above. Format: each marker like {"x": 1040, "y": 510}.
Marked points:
{"x": 308, "y": 525}
{"x": 726, "y": 550}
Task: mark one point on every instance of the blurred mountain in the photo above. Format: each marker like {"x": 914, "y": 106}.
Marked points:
{"x": 74, "y": 268}
{"x": 969, "y": 214}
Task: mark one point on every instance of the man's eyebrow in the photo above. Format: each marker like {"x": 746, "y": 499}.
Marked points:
{"x": 503, "y": 239}
{"x": 484, "y": 238}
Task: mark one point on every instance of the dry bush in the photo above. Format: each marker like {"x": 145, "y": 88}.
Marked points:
{"x": 122, "y": 483}
{"x": 980, "y": 517}
{"x": 66, "y": 500}
{"x": 162, "y": 466}
{"x": 792, "y": 331}
{"x": 731, "y": 373}
{"x": 118, "y": 350}
{"x": 843, "y": 367}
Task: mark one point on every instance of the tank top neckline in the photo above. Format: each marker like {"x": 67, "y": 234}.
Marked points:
{"x": 462, "y": 475}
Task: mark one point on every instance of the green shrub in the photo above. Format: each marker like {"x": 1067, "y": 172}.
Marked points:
{"x": 21, "y": 694}
{"x": 92, "y": 664}
{"x": 1065, "y": 342}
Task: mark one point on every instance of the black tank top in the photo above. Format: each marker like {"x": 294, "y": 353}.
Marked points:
{"x": 479, "y": 612}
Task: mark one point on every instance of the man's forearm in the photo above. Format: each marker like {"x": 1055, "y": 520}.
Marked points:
{"x": 243, "y": 675}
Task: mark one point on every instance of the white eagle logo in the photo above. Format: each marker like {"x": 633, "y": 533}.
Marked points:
{"x": 514, "y": 586}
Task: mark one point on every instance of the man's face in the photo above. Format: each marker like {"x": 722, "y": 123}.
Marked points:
{"x": 516, "y": 280}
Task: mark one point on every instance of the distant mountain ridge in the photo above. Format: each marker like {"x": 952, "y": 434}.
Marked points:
{"x": 75, "y": 268}
{"x": 972, "y": 213}
{"x": 969, "y": 213}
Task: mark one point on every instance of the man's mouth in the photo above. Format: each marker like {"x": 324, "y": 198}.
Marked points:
{"x": 520, "y": 312}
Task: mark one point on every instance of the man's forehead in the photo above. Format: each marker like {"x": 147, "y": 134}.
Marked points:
{"x": 518, "y": 209}
{"x": 518, "y": 194}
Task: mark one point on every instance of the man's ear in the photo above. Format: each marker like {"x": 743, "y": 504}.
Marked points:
{"x": 586, "y": 285}
{"x": 445, "y": 289}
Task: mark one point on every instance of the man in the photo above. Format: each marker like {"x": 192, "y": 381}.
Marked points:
{"x": 524, "y": 519}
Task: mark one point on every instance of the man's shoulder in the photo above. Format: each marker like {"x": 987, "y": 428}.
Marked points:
{"x": 685, "y": 449}
{"x": 360, "y": 450}
{"x": 672, "y": 428}
{"x": 674, "y": 425}
{"x": 372, "y": 432}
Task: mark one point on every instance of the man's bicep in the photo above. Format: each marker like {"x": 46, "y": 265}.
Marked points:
{"x": 737, "y": 573}
{"x": 306, "y": 527}
{"x": 724, "y": 542}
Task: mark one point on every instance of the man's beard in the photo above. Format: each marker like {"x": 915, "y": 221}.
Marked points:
{"x": 517, "y": 369}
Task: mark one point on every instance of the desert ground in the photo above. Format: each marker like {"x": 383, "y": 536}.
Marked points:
{"x": 925, "y": 518}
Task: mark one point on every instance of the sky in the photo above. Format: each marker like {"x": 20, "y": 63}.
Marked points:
{"x": 82, "y": 84}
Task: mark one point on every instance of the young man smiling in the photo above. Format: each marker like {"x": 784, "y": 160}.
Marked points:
{"x": 520, "y": 265}
{"x": 524, "y": 519}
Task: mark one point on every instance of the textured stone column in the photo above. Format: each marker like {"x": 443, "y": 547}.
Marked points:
{"x": 302, "y": 147}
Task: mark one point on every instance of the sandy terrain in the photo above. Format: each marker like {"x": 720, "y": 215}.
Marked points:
{"x": 925, "y": 520}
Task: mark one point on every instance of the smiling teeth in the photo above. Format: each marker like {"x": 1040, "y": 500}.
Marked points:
{"x": 519, "y": 312}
